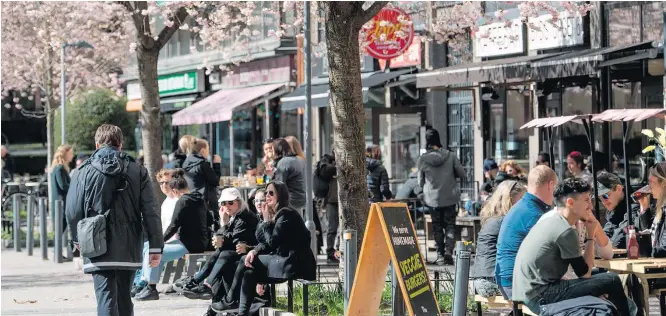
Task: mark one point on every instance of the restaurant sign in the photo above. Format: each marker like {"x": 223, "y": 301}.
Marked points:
{"x": 182, "y": 83}
{"x": 389, "y": 34}
{"x": 499, "y": 39}
{"x": 546, "y": 32}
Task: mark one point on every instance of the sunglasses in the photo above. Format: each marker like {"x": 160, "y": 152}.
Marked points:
{"x": 604, "y": 196}
{"x": 257, "y": 202}
{"x": 271, "y": 193}
{"x": 224, "y": 203}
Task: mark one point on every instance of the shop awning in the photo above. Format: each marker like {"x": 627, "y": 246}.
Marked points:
{"x": 583, "y": 62}
{"x": 496, "y": 71}
{"x": 176, "y": 103}
{"x": 133, "y": 105}
{"x": 218, "y": 107}
{"x": 320, "y": 89}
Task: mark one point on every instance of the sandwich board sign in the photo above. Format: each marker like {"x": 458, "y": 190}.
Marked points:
{"x": 390, "y": 237}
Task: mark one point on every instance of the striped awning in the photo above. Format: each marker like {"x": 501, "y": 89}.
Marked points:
{"x": 619, "y": 115}
{"x": 555, "y": 121}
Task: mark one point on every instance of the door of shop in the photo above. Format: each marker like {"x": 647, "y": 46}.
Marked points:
{"x": 461, "y": 138}
{"x": 398, "y": 132}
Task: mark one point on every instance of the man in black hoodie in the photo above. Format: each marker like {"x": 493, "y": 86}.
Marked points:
{"x": 438, "y": 174}
{"x": 200, "y": 175}
{"x": 112, "y": 182}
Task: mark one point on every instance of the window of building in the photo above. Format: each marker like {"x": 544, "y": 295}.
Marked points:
{"x": 630, "y": 24}
{"x": 508, "y": 141}
{"x": 242, "y": 128}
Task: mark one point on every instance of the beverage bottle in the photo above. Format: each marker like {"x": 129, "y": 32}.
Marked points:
{"x": 632, "y": 244}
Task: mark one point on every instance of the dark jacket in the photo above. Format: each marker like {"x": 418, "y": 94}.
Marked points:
{"x": 438, "y": 170}
{"x": 241, "y": 229}
{"x": 409, "y": 189}
{"x": 378, "y": 182}
{"x": 263, "y": 233}
{"x": 59, "y": 184}
{"x": 617, "y": 221}
{"x": 110, "y": 179}
{"x": 190, "y": 222}
{"x": 327, "y": 170}
{"x": 179, "y": 159}
{"x": 659, "y": 251}
{"x": 202, "y": 178}
{"x": 291, "y": 171}
{"x": 486, "y": 248}
{"x": 291, "y": 257}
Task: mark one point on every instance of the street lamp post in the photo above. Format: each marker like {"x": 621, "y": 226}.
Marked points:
{"x": 309, "y": 211}
{"x": 79, "y": 44}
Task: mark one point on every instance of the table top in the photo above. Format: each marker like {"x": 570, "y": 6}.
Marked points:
{"x": 639, "y": 265}
{"x": 33, "y": 184}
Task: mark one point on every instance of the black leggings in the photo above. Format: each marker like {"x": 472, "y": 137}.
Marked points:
{"x": 244, "y": 286}
{"x": 223, "y": 271}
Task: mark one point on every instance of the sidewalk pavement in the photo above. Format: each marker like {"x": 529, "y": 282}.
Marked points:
{"x": 31, "y": 286}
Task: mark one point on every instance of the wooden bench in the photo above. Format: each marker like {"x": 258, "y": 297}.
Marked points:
{"x": 496, "y": 302}
{"x": 192, "y": 260}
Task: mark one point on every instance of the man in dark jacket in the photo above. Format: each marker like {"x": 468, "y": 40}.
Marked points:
{"x": 326, "y": 170}
{"x": 221, "y": 265}
{"x": 438, "y": 171}
{"x": 111, "y": 180}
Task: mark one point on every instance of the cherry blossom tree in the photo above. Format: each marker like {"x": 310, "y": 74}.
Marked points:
{"x": 32, "y": 36}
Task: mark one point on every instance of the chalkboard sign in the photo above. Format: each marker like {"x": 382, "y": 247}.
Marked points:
{"x": 390, "y": 237}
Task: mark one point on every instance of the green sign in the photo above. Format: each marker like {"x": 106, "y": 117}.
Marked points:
{"x": 178, "y": 83}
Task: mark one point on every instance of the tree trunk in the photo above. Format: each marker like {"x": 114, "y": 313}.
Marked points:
{"x": 151, "y": 124}
{"x": 347, "y": 113}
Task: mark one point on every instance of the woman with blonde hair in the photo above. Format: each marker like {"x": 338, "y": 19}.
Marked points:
{"x": 62, "y": 157}
{"x": 505, "y": 196}
{"x": 295, "y": 146}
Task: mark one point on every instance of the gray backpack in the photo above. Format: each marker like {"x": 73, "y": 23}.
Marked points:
{"x": 92, "y": 230}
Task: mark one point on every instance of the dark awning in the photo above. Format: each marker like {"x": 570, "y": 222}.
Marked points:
{"x": 296, "y": 99}
{"x": 586, "y": 62}
{"x": 496, "y": 71}
{"x": 380, "y": 78}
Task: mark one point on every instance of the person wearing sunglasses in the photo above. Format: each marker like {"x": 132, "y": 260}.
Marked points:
{"x": 287, "y": 254}
{"x": 238, "y": 228}
{"x": 610, "y": 192}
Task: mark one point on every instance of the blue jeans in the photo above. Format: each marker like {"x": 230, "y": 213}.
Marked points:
{"x": 596, "y": 285}
{"x": 172, "y": 250}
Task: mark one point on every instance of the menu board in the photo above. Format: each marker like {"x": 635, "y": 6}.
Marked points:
{"x": 390, "y": 237}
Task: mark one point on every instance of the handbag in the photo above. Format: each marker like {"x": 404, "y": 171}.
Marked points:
{"x": 92, "y": 235}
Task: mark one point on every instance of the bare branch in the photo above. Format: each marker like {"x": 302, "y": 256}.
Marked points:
{"x": 167, "y": 32}
{"x": 372, "y": 10}
{"x": 135, "y": 18}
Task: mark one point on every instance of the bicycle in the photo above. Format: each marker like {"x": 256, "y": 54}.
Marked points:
{"x": 19, "y": 191}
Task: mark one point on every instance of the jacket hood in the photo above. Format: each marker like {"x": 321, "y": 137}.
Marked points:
{"x": 193, "y": 196}
{"x": 372, "y": 164}
{"x": 193, "y": 160}
{"x": 179, "y": 156}
{"x": 436, "y": 157}
{"x": 109, "y": 160}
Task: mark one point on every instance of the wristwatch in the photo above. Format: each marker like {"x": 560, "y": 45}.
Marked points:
{"x": 587, "y": 239}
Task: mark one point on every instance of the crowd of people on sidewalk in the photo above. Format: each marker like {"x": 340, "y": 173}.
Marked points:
{"x": 539, "y": 235}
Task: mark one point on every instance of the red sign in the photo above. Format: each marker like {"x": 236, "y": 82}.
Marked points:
{"x": 388, "y": 34}
{"x": 411, "y": 57}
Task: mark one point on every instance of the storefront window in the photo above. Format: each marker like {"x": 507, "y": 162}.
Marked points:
{"x": 290, "y": 123}
{"x": 506, "y": 118}
{"x": 242, "y": 127}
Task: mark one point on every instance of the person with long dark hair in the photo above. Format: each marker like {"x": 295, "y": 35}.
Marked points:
{"x": 285, "y": 255}
{"x": 290, "y": 170}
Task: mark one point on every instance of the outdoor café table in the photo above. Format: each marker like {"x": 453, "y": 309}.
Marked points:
{"x": 644, "y": 268}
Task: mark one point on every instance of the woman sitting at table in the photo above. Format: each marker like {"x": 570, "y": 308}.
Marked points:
{"x": 289, "y": 257}
{"x": 657, "y": 181}
{"x": 492, "y": 214}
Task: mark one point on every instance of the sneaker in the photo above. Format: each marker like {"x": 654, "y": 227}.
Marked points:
{"x": 445, "y": 260}
{"x": 210, "y": 312}
{"x": 147, "y": 294}
{"x": 199, "y": 292}
{"x": 184, "y": 283}
{"x": 137, "y": 289}
{"x": 223, "y": 306}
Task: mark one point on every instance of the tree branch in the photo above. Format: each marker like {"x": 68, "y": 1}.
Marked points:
{"x": 372, "y": 10}
{"x": 135, "y": 18}
{"x": 167, "y": 32}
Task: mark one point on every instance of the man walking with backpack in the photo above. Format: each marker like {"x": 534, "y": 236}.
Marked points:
{"x": 438, "y": 174}
{"x": 110, "y": 203}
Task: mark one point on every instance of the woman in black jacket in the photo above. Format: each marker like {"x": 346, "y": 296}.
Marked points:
{"x": 657, "y": 181}
{"x": 200, "y": 175}
{"x": 189, "y": 222}
{"x": 377, "y": 177}
{"x": 60, "y": 179}
{"x": 288, "y": 254}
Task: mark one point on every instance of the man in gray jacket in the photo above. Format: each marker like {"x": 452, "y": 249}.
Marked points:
{"x": 438, "y": 171}
{"x": 111, "y": 181}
